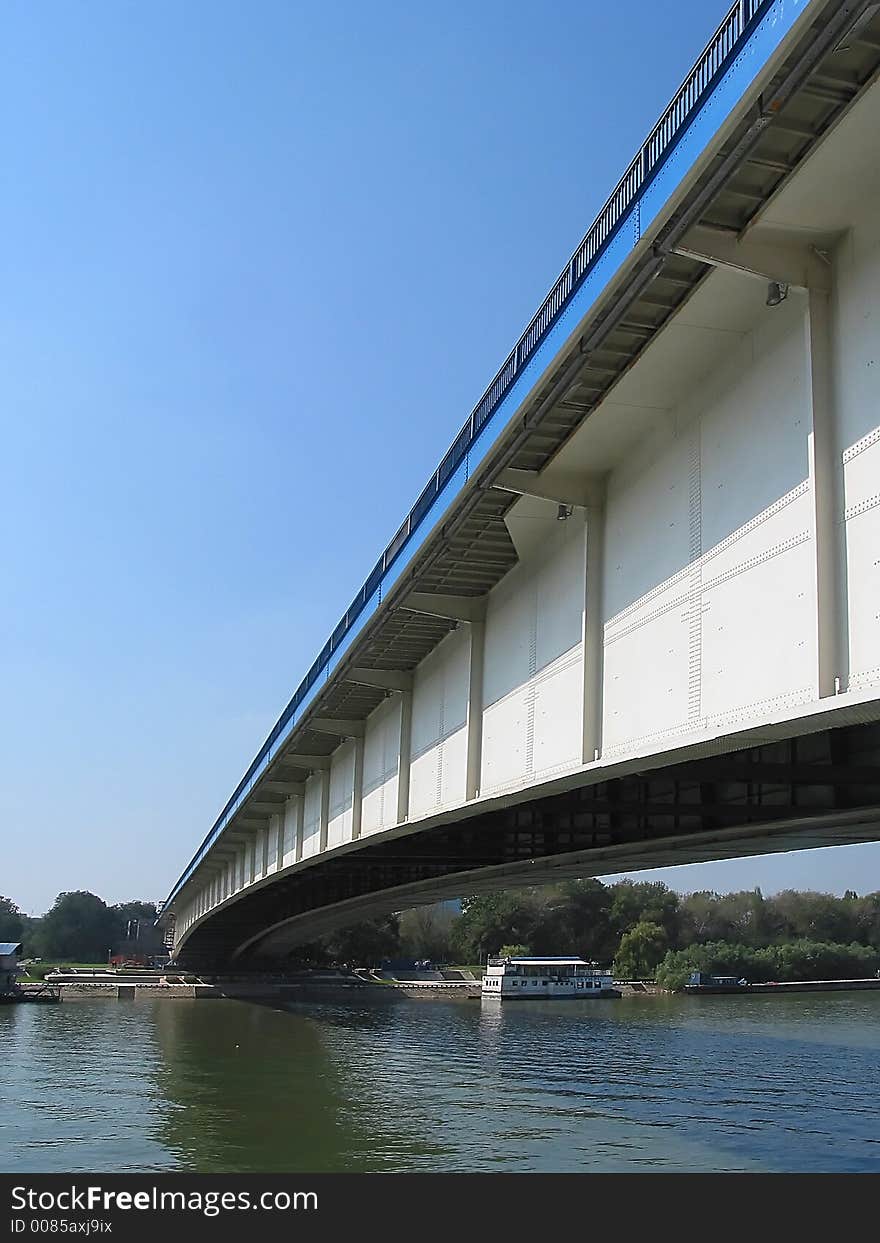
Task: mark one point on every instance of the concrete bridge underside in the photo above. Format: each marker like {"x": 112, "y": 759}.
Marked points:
{"x": 819, "y": 789}
{"x": 642, "y": 627}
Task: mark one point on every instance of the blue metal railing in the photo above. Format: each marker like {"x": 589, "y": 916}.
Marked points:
{"x": 656, "y": 148}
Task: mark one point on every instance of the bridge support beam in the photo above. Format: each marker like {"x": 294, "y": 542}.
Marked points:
{"x": 562, "y": 488}
{"x": 787, "y": 261}
{"x": 264, "y": 861}
{"x": 298, "y": 826}
{"x": 312, "y": 763}
{"x": 594, "y": 632}
{"x": 324, "y": 811}
{"x": 404, "y": 755}
{"x": 339, "y": 729}
{"x": 283, "y": 787}
{"x": 459, "y": 608}
{"x": 826, "y": 488}
{"x": 357, "y": 788}
{"x": 475, "y": 708}
{"x": 382, "y": 679}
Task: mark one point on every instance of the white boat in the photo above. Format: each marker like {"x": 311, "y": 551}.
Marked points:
{"x": 529, "y": 979}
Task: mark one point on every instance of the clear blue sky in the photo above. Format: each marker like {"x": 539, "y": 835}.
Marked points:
{"x": 259, "y": 262}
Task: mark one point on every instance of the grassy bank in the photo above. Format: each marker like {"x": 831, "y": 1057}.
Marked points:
{"x": 39, "y": 970}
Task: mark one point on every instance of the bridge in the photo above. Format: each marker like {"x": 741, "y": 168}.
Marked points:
{"x": 633, "y": 619}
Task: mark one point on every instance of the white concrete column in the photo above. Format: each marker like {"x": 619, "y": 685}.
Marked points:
{"x": 300, "y": 809}
{"x": 594, "y": 631}
{"x": 324, "y": 819}
{"x": 475, "y": 708}
{"x": 826, "y": 489}
{"x": 357, "y": 789}
{"x": 279, "y": 840}
{"x": 404, "y": 755}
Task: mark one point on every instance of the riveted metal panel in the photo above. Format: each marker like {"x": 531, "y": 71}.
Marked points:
{"x": 341, "y": 787}
{"x": 863, "y": 571}
{"x": 558, "y": 714}
{"x": 276, "y": 825}
{"x": 291, "y": 815}
{"x": 312, "y": 816}
{"x": 857, "y": 405}
{"x": 754, "y": 424}
{"x": 759, "y": 646}
{"x": 439, "y": 726}
{"x": 647, "y": 523}
{"x": 381, "y": 767}
{"x": 646, "y": 679}
{"x": 533, "y": 678}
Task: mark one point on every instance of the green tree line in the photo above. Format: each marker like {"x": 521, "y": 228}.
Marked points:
{"x": 80, "y": 927}
{"x": 642, "y": 929}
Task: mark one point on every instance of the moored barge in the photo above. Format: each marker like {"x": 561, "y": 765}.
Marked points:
{"x": 530, "y": 979}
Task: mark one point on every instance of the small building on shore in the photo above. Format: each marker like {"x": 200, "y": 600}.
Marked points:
{"x": 10, "y": 952}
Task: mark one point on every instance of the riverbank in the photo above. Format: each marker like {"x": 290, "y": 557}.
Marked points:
{"x": 815, "y": 986}
{"x": 147, "y": 984}
{"x": 304, "y": 986}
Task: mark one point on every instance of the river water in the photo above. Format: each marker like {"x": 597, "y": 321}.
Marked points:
{"x": 652, "y": 1083}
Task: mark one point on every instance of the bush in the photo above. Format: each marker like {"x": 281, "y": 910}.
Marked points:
{"x": 640, "y": 950}
{"x": 791, "y": 961}
{"x": 514, "y": 951}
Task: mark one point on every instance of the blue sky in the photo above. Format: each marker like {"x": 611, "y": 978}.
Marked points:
{"x": 260, "y": 262}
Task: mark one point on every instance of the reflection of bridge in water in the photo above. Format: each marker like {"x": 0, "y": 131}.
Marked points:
{"x": 634, "y": 617}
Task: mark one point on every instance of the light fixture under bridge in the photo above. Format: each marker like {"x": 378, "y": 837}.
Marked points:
{"x": 777, "y": 292}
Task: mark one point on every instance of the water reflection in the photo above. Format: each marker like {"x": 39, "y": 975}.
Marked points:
{"x": 660, "y": 1083}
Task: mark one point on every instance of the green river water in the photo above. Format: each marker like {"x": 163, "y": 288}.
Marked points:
{"x": 653, "y": 1083}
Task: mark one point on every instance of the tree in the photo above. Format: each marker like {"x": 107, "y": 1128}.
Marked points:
{"x": 426, "y": 932}
{"x": 11, "y": 921}
{"x": 493, "y": 920}
{"x": 79, "y": 927}
{"x": 514, "y": 951}
{"x": 649, "y": 901}
{"x": 814, "y": 916}
{"x": 793, "y": 960}
{"x": 589, "y": 920}
{"x": 868, "y": 920}
{"x": 640, "y": 950}
{"x": 707, "y": 916}
{"x": 366, "y": 943}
